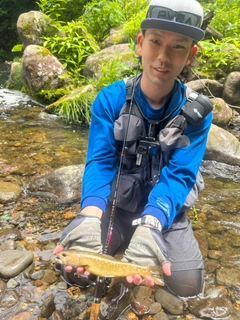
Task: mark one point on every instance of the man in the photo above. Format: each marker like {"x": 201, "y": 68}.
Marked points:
{"x": 142, "y": 163}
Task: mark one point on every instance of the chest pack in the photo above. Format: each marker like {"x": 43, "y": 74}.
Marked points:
{"x": 149, "y": 144}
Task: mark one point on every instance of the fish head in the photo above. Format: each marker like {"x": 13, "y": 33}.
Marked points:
{"x": 67, "y": 257}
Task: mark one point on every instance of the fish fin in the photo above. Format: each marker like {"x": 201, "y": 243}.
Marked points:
{"x": 156, "y": 274}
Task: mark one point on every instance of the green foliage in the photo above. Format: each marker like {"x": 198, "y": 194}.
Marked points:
{"x": 132, "y": 27}
{"x": 131, "y": 8}
{"x": 226, "y": 16}
{"x": 18, "y": 48}
{"x": 73, "y": 47}
{"x": 62, "y": 10}
{"x": 218, "y": 55}
{"x": 78, "y": 108}
{"x": 112, "y": 71}
{"x": 102, "y": 15}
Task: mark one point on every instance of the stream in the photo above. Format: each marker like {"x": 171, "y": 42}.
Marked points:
{"x": 33, "y": 144}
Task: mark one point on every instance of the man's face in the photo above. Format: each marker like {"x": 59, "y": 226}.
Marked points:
{"x": 164, "y": 55}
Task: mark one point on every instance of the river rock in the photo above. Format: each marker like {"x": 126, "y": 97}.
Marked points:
{"x": 222, "y": 113}
{"x": 41, "y": 70}
{"x": 8, "y": 245}
{"x": 210, "y": 308}
{"x": 22, "y": 316}
{"x": 94, "y": 61}
{"x": 9, "y": 299}
{"x": 207, "y": 87}
{"x": 160, "y": 316}
{"x": 13, "y": 262}
{"x": 222, "y": 146}
{"x": 31, "y": 26}
{"x": 63, "y": 185}
{"x": 231, "y": 92}
{"x": 169, "y": 302}
{"x": 9, "y": 192}
{"x": 7, "y": 236}
{"x": 2, "y": 287}
{"x": 48, "y": 306}
{"x": 118, "y": 298}
{"x": 228, "y": 277}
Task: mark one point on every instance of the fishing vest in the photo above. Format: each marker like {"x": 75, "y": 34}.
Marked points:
{"x": 147, "y": 150}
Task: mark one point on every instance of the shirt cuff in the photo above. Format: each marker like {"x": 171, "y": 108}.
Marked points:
{"x": 157, "y": 213}
{"x": 94, "y": 201}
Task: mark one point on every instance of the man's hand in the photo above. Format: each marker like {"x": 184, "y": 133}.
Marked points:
{"x": 147, "y": 248}
{"x": 83, "y": 233}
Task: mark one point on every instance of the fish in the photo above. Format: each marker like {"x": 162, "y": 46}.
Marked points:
{"x": 106, "y": 266}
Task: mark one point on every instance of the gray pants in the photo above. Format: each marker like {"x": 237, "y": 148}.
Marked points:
{"x": 187, "y": 268}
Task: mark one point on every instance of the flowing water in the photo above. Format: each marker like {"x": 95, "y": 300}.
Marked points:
{"x": 32, "y": 145}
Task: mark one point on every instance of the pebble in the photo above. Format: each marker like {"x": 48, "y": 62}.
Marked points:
{"x": 12, "y": 283}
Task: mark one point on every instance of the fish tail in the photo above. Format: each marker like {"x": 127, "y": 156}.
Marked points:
{"x": 156, "y": 274}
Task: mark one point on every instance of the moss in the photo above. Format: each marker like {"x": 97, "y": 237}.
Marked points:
{"x": 50, "y": 95}
{"x": 217, "y": 106}
{"x": 15, "y": 81}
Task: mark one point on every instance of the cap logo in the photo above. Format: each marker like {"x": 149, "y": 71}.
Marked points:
{"x": 164, "y": 13}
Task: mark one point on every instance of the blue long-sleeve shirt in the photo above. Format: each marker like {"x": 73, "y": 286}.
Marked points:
{"x": 176, "y": 179}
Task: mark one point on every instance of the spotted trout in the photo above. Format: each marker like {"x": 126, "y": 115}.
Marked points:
{"x": 106, "y": 266}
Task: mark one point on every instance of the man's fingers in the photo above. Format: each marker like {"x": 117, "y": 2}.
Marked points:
{"x": 58, "y": 248}
{"x": 68, "y": 268}
{"x": 149, "y": 281}
{"x": 167, "y": 269}
{"x": 129, "y": 279}
{"x": 137, "y": 279}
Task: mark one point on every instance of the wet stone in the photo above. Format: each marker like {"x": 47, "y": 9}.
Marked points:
{"x": 22, "y": 316}
{"x": 141, "y": 307}
{"x": 211, "y": 308}
{"x": 9, "y": 299}
{"x": 229, "y": 277}
{"x": 49, "y": 277}
{"x": 2, "y": 287}
{"x": 142, "y": 292}
{"x": 9, "y": 234}
{"x": 214, "y": 254}
{"x": 160, "y": 316}
{"x": 9, "y": 192}
{"x": 11, "y": 284}
{"x": 37, "y": 275}
{"x": 169, "y": 302}
{"x": 13, "y": 262}
{"x": 8, "y": 245}
{"x": 155, "y": 308}
{"x": 212, "y": 265}
{"x": 48, "y": 306}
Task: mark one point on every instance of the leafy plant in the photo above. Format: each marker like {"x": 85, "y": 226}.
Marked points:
{"x": 78, "y": 108}
{"x": 113, "y": 70}
{"x": 223, "y": 10}
{"x": 102, "y": 15}
{"x": 218, "y": 54}
{"x": 132, "y": 27}
{"x": 62, "y": 10}
{"x": 131, "y": 8}
{"x": 73, "y": 47}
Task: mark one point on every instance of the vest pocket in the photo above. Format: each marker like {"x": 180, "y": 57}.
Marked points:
{"x": 130, "y": 191}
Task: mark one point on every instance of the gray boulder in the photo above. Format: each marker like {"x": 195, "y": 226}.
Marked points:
{"x": 41, "y": 70}
{"x": 222, "y": 146}
{"x": 31, "y": 26}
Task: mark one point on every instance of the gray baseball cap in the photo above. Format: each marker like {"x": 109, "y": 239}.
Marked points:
{"x": 182, "y": 17}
